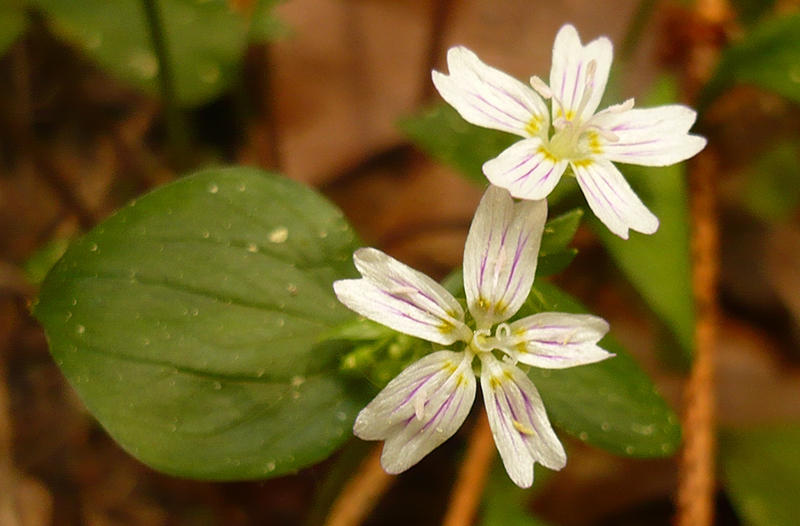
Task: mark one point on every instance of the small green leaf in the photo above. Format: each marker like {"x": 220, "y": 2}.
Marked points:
{"x": 658, "y": 265}
{"x": 768, "y": 56}
{"x": 205, "y": 41}
{"x": 13, "y": 22}
{"x": 762, "y": 474}
{"x": 550, "y": 264}
{"x": 555, "y": 254}
{"x": 610, "y": 404}
{"x": 189, "y": 323}
{"x": 559, "y": 231}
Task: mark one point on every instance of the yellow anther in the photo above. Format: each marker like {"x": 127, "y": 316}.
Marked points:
{"x": 522, "y": 428}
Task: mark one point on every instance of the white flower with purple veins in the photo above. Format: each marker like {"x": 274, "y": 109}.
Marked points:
{"x": 582, "y": 139}
{"x": 427, "y": 402}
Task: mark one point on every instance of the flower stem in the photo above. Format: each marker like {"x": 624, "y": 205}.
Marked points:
{"x": 467, "y": 492}
{"x": 177, "y": 131}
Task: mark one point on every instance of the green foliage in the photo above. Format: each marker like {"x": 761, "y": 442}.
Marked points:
{"x": 554, "y": 254}
{"x": 444, "y": 135}
{"x": 750, "y": 11}
{"x": 768, "y": 57}
{"x": 264, "y": 25}
{"x": 610, "y": 404}
{"x": 504, "y": 502}
{"x": 190, "y": 325}
{"x": 205, "y": 41}
{"x": 771, "y": 186}
{"x": 12, "y": 23}
{"x": 658, "y": 265}
{"x": 40, "y": 263}
{"x": 762, "y": 473}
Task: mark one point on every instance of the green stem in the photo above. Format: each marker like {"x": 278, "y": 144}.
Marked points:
{"x": 177, "y": 131}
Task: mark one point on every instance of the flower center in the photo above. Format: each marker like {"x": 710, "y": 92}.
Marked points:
{"x": 483, "y": 342}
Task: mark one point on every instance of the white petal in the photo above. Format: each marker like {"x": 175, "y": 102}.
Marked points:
{"x": 571, "y": 74}
{"x": 612, "y": 200}
{"x": 525, "y": 169}
{"x": 500, "y": 255}
{"x": 651, "y": 137}
{"x": 487, "y": 97}
{"x": 401, "y": 298}
{"x": 555, "y": 340}
{"x": 518, "y": 420}
{"x": 445, "y": 386}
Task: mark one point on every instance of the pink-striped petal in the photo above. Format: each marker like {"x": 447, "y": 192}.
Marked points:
{"x": 611, "y": 198}
{"x": 500, "y": 255}
{"x": 519, "y": 423}
{"x": 421, "y": 408}
{"x": 487, "y": 97}
{"x": 555, "y": 340}
{"x": 578, "y": 74}
{"x": 651, "y": 137}
{"x": 525, "y": 169}
{"x": 402, "y": 298}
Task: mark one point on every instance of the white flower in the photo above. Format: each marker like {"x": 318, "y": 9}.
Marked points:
{"x": 585, "y": 140}
{"x": 427, "y": 402}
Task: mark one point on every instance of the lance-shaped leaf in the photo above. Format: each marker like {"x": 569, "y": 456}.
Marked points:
{"x": 611, "y": 404}
{"x": 189, "y": 324}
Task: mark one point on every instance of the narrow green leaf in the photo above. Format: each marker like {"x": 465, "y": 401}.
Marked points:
{"x": 658, "y": 265}
{"x": 189, "y": 323}
{"x": 205, "y": 41}
{"x": 13, "y": 22}
{"x": 762, "y": 474}
{"x": 768, "y": 56}
{"x": 611, "y": 404}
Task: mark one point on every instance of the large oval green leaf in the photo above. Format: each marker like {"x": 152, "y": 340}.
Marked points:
{"x": 189, "y": 324}
{"x": 611, "y": 404}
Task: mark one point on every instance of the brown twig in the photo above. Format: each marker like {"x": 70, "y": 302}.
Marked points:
{"x": 361, "y": 493}
{"x": 467, "y": 492}
{"x": 696, "y": 485}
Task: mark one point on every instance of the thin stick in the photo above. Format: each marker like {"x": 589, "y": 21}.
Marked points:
{"x": 361, "y": 493}
{"x": 472, "y": 478}
{"x": 696, "y": 484}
